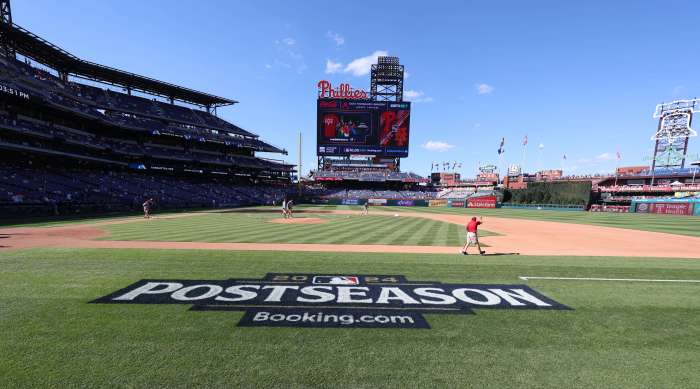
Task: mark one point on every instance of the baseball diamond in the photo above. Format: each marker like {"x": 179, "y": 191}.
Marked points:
{"x": 155, "y": 232}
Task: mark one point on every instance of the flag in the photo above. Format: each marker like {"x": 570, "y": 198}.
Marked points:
{"x": 564, "y": 157}
{"x": 619, "y": 157}
{"x": 501, "y": 148}
{"x": 525, "y": 141}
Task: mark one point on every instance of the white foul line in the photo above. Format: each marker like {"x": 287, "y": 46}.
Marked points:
{"x": 603, "y": 279}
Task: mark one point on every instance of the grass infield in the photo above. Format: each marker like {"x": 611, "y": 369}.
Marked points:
{"x": 258, "y": 228}
{"x": 619, "y": 335}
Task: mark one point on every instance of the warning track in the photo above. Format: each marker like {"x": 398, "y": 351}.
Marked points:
{"x": 527, "y": 237}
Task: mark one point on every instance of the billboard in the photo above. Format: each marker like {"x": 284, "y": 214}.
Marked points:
{"x": 482, "y": 202}
{"x": 672, "y": 208}
{"x": 347, "y": 127}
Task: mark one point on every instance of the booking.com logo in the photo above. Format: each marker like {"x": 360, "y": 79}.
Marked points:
{"x": 321, "y": 317}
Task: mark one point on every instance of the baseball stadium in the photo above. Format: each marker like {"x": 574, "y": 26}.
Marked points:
{"x": 122, "y": 195}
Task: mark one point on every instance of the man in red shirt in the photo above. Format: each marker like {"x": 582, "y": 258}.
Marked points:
{"x": 472, "y": 235}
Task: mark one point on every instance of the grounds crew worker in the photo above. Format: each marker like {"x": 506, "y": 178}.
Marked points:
{"x": 473, "y": 236}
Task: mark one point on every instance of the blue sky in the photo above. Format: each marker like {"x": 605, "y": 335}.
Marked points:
{"x": 582, "y": 78}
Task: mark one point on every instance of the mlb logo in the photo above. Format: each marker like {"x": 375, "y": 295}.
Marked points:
{"x": 336, "y": 280}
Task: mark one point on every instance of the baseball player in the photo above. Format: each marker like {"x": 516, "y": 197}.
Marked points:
{"x": 473, "y": 236}
{"x": 290, "y": 203}
{"x": 147, "y": 208}
{"x": 284, "y": 209}
{"x": 365, "y": 208}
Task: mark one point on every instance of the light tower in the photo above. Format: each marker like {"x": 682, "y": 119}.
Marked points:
{"x": 386, "y": 83}
{"x": 673, "y": 132}
{"x": 6, "y": 47}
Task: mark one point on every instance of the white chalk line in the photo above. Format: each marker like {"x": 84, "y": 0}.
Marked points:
{"x": 525, "y": 278}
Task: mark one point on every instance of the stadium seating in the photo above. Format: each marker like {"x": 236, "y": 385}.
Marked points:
{"x": 122, "y": 190}
{"x": 370, "y": 193}
{"x": 123, "y": 109}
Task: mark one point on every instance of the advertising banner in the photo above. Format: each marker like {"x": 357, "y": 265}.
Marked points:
{"x": 482, "y": 202}
{"x": 351, "y": 201}
{"x": 437, "y": 203}
{"x": 609, "y": 208}
{"x": 351, "y": 126}
{"x": 641, "y": 207}
{"x": 376, "y": 201}
{"x": 672, "y": 208}
{"x": 456, "y": 203}
{"x": 696, "y": 209}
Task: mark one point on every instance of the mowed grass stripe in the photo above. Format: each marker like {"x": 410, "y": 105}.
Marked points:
{"x": 441, "y": 237}
{"x": 430, "y": 234}
{"x": 400, "y": 231}
{"x": 256, "y": 228}
{"x": 298, "y": 233}
{"x": 344, "y": 233}
{"x": 329, "y": 233}
{"x": 368, "y": 235}
{"x": 377, "y": 230}
{"x": 414, "y": 236}
{"x": 240, "y": 233}
{"x": 188, "y": 232}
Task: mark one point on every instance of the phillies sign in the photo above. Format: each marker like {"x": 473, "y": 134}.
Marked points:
{"x": 344, "y": 91}
{"x": 332, "y": 300}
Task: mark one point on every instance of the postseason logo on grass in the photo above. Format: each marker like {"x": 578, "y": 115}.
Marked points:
{"x": 343, "y": 301}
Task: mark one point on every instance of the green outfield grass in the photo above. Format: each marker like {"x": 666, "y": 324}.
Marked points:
{"x": 681, "y": 225}
{"x": 255, "y": 227}
{"x": 619, "y": 335}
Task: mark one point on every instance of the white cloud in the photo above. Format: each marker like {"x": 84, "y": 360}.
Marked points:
{"x": 361, "y": 66}
{"x": 416, "y": 96}
{"x": 288, "y": 55}
{"x": 333, "y": 67}
{"x": 484, "y": 89}
{"x": 412, "y": 94}
{"x": 605, "y": 157}
{"x": 337, "y": 38}
{"x": 597, "y": 159}
{"x": 434, "y": 145}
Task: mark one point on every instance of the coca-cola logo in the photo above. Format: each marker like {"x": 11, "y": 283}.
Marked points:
{"x": 344, "y": 91}
{"x": 327, "y": 104}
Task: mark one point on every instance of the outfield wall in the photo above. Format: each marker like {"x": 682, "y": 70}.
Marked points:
{"x": 546, "y": 207}
{"x": 372, "y": 202}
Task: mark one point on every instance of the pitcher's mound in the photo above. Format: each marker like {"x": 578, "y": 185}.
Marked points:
{"x": 299, "y": 220}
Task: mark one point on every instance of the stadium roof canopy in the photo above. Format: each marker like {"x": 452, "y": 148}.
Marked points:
{"x": 32, "y": 46}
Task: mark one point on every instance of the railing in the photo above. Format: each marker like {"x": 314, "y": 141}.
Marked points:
{"x": 548, "y": 207}
{"x": 650, "y": 188}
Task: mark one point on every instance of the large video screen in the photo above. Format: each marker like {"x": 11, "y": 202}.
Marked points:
{"x": 363, "y": 127}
